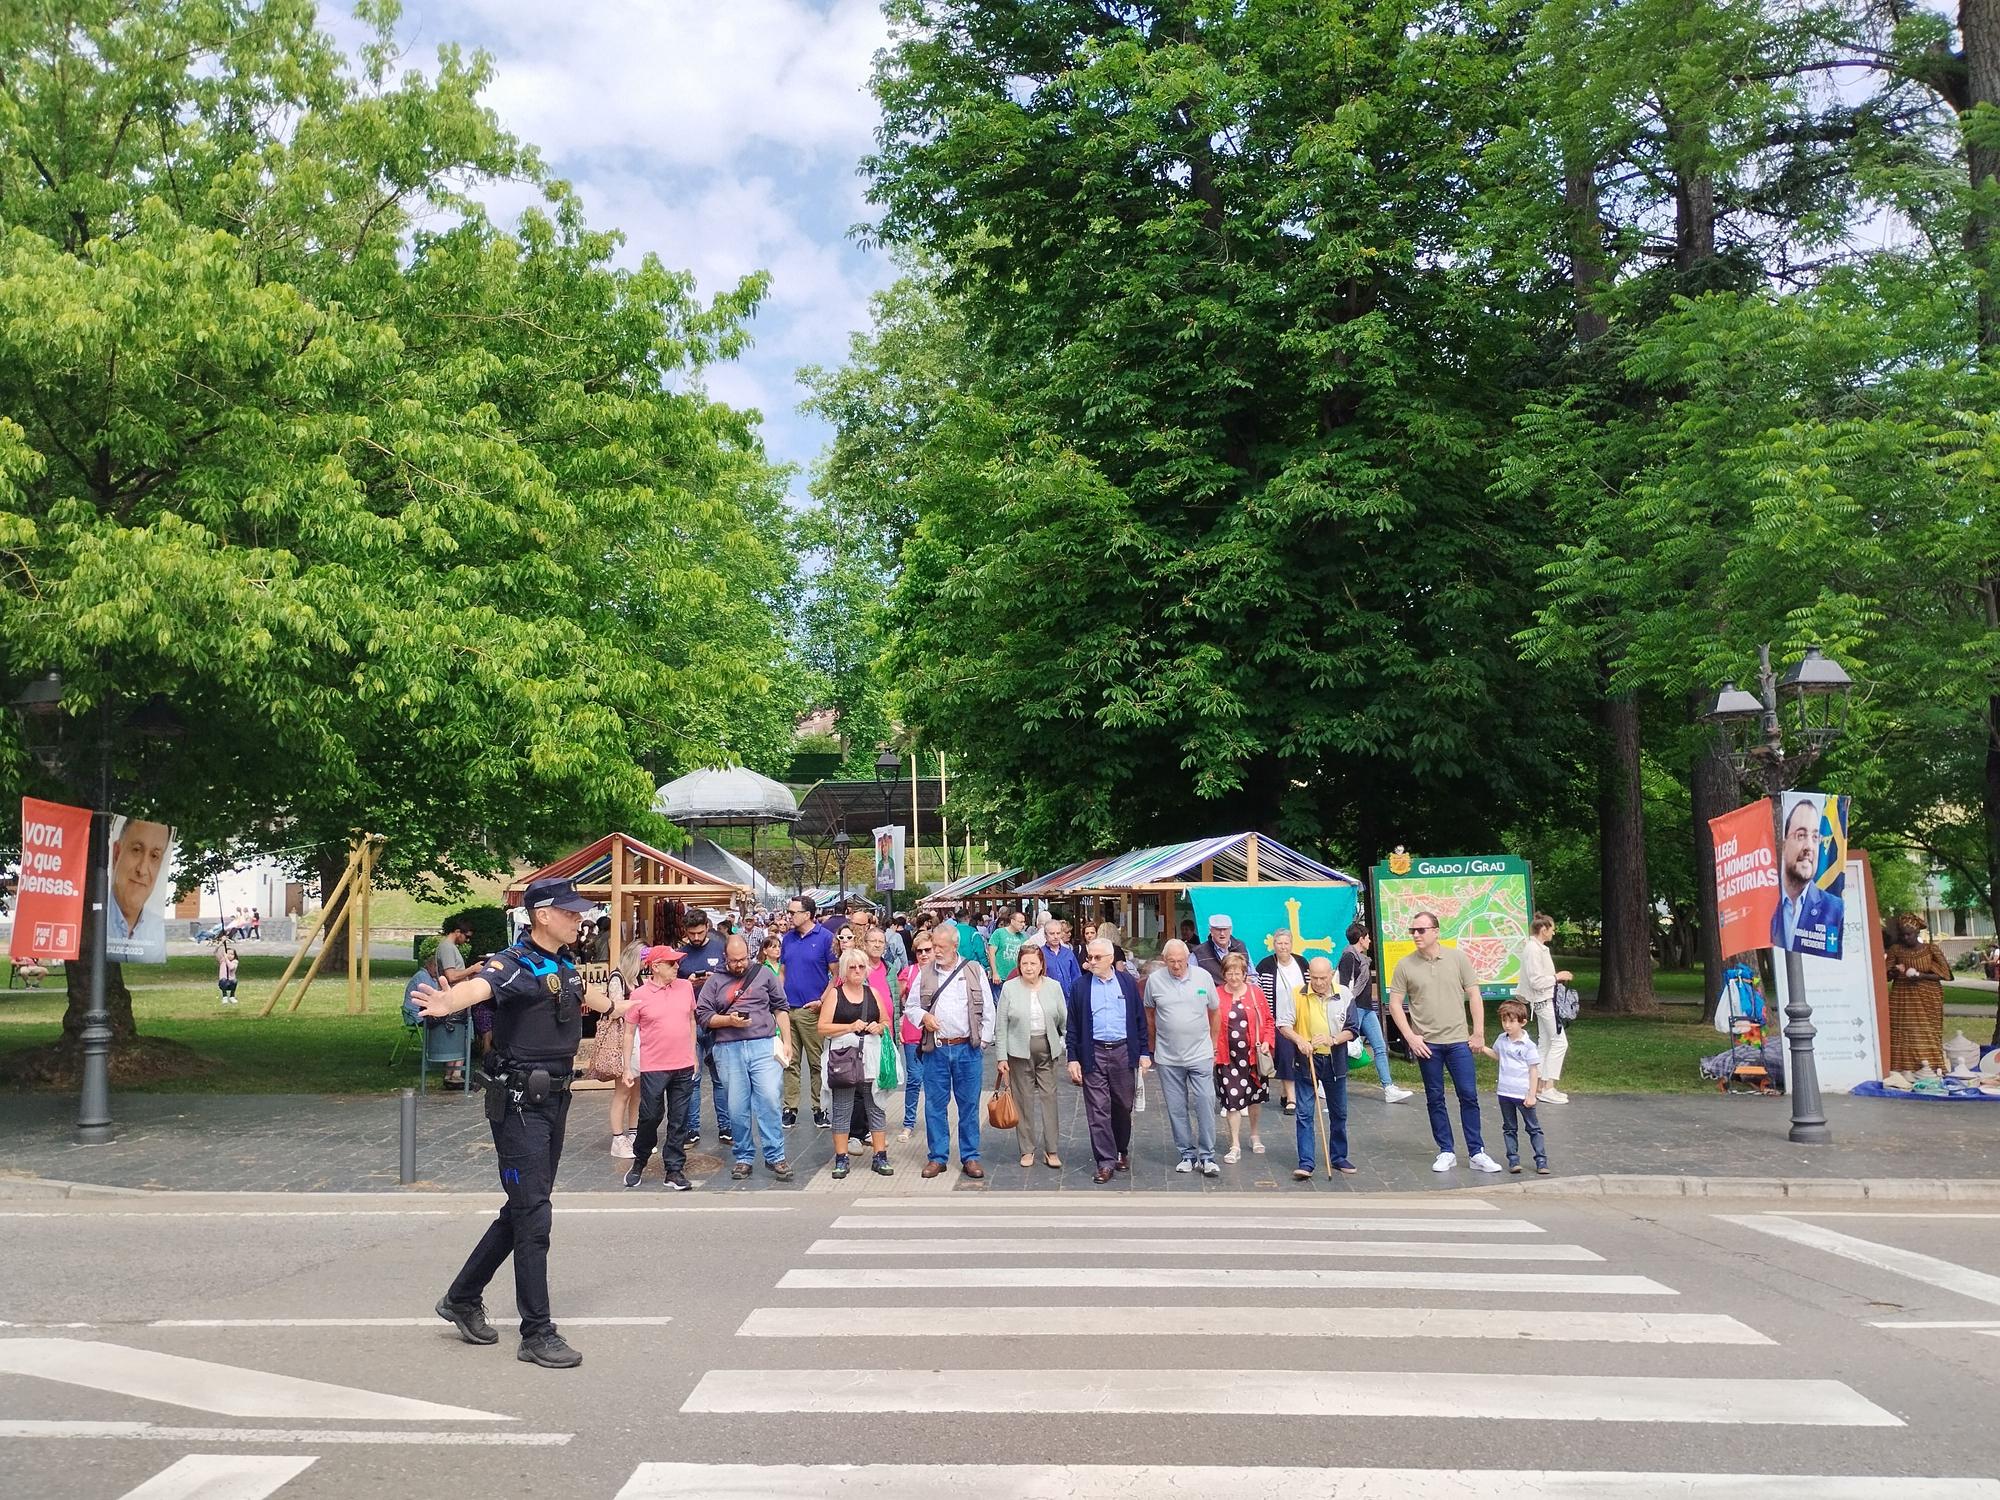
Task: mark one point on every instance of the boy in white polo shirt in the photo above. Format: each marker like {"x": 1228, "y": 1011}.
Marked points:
{"x": 1520, "y": 1078}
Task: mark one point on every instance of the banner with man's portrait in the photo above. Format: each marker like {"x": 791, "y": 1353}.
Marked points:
{"x": 142, "y": 855}
{"x": 1812, "y": 875}
{"x": 889, "y": 858}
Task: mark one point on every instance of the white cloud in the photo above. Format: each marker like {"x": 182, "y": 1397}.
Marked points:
{"x": 690, "y": 82}
{"x": 722, "y": 136}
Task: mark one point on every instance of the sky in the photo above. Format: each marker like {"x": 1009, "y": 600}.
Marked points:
{"x": 721, "y": 135}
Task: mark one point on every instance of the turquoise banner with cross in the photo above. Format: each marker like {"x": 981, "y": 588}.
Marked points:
{"x": 1317, "y": 916}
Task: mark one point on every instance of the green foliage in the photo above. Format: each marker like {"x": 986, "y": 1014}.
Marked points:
{"x": 426, "y": 527}
{"x": 490, "y": 932}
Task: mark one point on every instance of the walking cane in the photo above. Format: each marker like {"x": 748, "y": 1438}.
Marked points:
{"x": 1319, "y": 1118}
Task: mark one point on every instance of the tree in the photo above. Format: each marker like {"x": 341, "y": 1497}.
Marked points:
{"x": 426, "y": 528}
{"x": 1202, "y": 534}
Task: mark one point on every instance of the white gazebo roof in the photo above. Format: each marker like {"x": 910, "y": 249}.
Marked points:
{"x": 725, "y": 798}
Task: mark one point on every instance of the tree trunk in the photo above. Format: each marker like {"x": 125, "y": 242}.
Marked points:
{"x": 117, "y": 1000}
{"x": 1626, "y": 984}
{"x": 1979, "y": 28}
{"x": 1712, "y": 792}
{"x": 331, "y": 864}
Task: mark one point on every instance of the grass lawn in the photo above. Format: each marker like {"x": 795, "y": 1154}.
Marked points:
{"x": 318, "y": 1050}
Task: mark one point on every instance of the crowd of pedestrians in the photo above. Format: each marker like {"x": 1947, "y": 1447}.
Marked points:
{"x": 838, "y": 1014}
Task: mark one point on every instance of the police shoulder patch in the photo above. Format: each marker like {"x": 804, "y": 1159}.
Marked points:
{"x": 494, "y": 966}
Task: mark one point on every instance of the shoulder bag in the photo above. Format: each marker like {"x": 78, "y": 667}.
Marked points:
{"x": 614, "y": 1040}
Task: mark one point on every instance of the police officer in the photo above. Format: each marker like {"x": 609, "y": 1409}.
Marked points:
{"x": 538, "y": 1000}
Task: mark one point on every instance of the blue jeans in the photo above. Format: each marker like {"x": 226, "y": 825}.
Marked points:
{"x": 1370, "y": 1022}
{"x": 1509, "y": 1110}
{"x": 1333, "y": 1077}
{"x": 704, "y": 1062}
{"x": 750, "y": 1078}
{"x": 913, "y": 1084}
{"x": 952, "y": 1073}
{"x": 1455, "y": 1058}
{"x": 1190, "y": 1109}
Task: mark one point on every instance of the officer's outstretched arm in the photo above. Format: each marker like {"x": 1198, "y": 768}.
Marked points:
{"x": 437, "y": 1004}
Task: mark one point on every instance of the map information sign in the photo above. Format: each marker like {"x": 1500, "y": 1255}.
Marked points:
{"x": 1482, "y": 901}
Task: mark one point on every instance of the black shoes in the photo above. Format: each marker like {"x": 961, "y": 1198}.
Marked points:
{"x": 469, "y": 1319}
{"x": 820, "y": 1120}
{"x": 549, "y": 1351}
{"x": 791, "y": 1118}
{"x": 676, "y": 1183}
{"x": 725, "y": 1137}
{"x": 632, "y": 1176}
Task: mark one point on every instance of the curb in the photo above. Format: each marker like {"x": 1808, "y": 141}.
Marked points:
{"x": 47, "y": 1187}
{"x": 1848, "y": 1189}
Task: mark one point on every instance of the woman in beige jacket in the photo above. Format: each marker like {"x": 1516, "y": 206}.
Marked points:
{"x": 1028, "y": 1022}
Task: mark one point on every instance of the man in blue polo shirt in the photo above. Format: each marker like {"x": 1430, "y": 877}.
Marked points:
{"x": 805, "y": 959}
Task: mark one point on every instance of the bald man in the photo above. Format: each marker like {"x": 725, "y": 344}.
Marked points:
{"x": 138, "y": 859}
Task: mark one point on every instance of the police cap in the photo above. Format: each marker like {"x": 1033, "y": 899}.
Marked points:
{"x": 559, "y": 895}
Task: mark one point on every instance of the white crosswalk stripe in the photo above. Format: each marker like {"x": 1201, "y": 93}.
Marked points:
{"x": 1300, "y": 1393}
{"x": 680, "y": 1481}
{"x": 1231, "y": 1278}
{"x": 1339, "y": 1224}
{"x": 1175, "y": 1321}
{"x": 1079, "y": 1245}
{"x": 220, "y": 1476}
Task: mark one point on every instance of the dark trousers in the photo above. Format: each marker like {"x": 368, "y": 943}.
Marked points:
{"x": 1454, "y": 1058}
{"x": 1512, "y": 1111}
{"x": 704, "y": 1063}
{"x": 528, "y": 1141}
{"x": 1107, "y": 1102}
{"x": 662, "y": 1096}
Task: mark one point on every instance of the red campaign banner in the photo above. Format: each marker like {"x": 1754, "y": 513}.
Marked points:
{"x": 55, "y": 858}
{"x": 1746, "y": 877}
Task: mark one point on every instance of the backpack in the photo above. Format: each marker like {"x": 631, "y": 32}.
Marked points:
{"x": 1567, "y": 1003}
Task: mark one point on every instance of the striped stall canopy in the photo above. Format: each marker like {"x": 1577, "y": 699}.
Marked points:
{"x": 988, "y": 883}
{"x": 1227, "y": 856}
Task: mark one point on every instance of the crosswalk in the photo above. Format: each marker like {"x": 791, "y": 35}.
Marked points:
{"x": 1213, "y": 1318}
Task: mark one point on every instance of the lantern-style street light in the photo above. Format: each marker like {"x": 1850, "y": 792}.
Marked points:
{"x": 1814, "y": 694}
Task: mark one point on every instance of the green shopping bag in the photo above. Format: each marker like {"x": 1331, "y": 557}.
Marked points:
{"x": 1356, "y": 1061}
{"x": 887, "y": 1077}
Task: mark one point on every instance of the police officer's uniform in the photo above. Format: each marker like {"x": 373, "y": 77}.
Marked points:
{"x": 537, "y": 1026}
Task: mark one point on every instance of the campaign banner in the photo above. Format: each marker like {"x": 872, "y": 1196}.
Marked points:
{"x": 1482, "y": 903}
{"x": 55, "y": 866}
{"x": 889, "y": 858}
{"x": 1849, "y": 998}
{"x": 1317, "y": 916}
{"x": 135, "y": 927}
{"x": 1746, "y": 877}
{"x": 1812, "y": 868}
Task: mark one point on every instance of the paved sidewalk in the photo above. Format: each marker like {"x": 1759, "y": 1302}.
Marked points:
{"x": 314, "y": 1143}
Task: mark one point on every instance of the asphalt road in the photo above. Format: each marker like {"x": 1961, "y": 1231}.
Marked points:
{"x": 1028, "y": 1346}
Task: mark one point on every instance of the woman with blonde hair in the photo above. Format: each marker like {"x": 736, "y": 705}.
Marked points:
{"x": 621, "y": 982}
{"x": 852, "y": 1020}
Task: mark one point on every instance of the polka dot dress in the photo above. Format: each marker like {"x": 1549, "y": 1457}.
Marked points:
{"x": 1236, "y": 1080}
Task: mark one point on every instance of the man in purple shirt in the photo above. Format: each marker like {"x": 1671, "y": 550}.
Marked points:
{"x": 805, "y": 957}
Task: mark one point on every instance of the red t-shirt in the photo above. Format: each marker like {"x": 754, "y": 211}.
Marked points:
{"x": 663, "y": 1018}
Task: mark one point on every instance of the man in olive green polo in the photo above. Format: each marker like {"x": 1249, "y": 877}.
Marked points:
{"x": 1440, "y": 989}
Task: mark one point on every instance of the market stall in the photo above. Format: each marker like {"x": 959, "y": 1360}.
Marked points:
{"x": 981, "y": 892}
{"x": 637, "y": 884}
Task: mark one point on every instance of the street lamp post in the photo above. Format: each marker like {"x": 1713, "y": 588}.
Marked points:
{"x": 798, "y": 871}
{"x": 43, "y": 723}
{"x": 1817, "y": 689}
{"x": 841, "y": 842}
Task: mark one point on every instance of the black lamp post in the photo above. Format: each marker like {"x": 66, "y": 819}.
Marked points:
{"x": 841, "y": 843}
{"x": 1816, "y": 690}
{"x": 84, "y": 764}
{"x": 798, "y": 871}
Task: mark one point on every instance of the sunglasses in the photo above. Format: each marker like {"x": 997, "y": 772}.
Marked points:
{"x": 1420, "y": 931}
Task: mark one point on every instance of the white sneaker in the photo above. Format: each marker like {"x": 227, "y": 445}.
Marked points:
{"x": 1481, "y": 1162}
{"x": 1446, "y": 1160}
{"x": 903, "y": 1134}
{"x": 1183, "y": 1165}
{"x": 1393, "y": 1093}
{"x": 621, "y": 1146}
{"x": 1551, "y": 1096}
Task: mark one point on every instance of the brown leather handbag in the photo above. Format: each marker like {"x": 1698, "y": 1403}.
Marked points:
{"x": 1000, "y": 1111}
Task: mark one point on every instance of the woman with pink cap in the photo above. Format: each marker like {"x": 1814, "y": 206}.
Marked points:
{"x": 662, "y": 1063}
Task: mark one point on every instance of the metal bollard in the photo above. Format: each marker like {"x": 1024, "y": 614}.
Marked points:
{"x": 409, "y": 1141}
